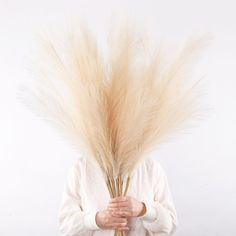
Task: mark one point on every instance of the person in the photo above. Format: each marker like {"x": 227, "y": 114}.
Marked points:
{"x": 86, "y": 208}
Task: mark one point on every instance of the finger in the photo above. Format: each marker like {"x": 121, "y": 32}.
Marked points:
{"x": 118, "y": 210}
{"x": 118, "y": 199}
{"x": 118, "y": 204}
{"x": 118, "y": 219}
{"x": 122, "y": 213}
{"x": 116, "y": 224}
{"x": 121, "y": 203}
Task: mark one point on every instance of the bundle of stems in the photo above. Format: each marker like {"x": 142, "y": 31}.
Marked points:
{"x": 114, "y": 109}
{"x": 115, "y": 187}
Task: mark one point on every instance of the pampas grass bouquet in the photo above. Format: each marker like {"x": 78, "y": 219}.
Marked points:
{"x": 118, "y": 104}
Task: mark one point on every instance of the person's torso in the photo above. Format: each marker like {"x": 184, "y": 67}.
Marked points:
{"x": 95, "y": 195}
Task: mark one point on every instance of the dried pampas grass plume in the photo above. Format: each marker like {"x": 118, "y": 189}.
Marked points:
{"x": 115, "y": 110}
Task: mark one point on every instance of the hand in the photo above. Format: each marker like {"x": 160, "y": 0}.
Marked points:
{"x": 105, "y": 220}
{"x": 126, "y": 207}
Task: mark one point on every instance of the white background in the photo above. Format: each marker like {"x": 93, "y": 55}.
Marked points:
{"x": 200, "y": 165}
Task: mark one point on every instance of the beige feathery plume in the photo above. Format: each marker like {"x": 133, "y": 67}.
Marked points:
{"x": 115, "y": 110}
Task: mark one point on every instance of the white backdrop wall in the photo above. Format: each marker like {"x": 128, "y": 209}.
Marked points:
{"x": 200, "y": 165}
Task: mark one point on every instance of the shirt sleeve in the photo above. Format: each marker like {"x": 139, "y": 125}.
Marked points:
{"x": 160, "y": 216}
{"x": 73, "y": 221}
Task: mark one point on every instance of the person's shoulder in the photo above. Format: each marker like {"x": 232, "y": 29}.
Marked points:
{"x": 77, "y": 165}
{"x": 152, "y": 162}
{"x": 80, "y": 160}
{"x": 153, "y": 165}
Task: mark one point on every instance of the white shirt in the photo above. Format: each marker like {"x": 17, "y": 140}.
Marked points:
{"x": 86, "y": 193}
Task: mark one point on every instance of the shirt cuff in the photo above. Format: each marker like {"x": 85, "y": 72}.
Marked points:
{"x": 90, "y": 220}
{"x": 150, "y": 214}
